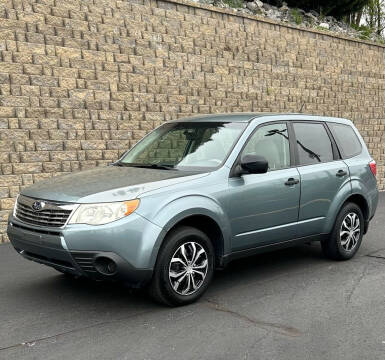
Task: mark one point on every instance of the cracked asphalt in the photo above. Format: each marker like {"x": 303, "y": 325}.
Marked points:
{"x": 290, "y": 304}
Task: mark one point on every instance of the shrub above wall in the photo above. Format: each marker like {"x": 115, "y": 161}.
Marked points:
{"x": 82, "y": 80}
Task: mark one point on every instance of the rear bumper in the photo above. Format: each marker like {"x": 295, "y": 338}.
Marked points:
{"x": 49, "y": 248}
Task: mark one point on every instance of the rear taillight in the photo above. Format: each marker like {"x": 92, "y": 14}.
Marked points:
{"x": 373, "y": 167}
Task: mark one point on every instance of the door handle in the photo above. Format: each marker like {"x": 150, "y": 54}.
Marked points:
{"x": 341, "y": 173}
{"x": 291, "y": 181}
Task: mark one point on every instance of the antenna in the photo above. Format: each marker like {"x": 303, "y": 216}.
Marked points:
{"x": 300, "y": 110}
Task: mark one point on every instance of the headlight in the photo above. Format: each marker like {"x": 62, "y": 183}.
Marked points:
{"x": 98, "y": 214}
{"x": 15, "y": 206}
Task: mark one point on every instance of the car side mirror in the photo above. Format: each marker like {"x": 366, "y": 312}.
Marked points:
{"x": 254, "y": 164}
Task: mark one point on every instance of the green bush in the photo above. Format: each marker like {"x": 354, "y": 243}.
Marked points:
{"x": 365, "y": 31}
{"x": 234, "y": 3}
{"x": 297, "y": 16}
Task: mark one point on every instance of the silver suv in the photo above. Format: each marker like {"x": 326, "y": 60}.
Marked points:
{"x": 196, "y": 193}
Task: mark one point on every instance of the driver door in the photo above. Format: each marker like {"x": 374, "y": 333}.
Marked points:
{"x": 263, "y": 208}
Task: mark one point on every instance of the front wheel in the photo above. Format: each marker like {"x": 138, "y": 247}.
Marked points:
{"x": 347, "y": 233}
{"x": 184, "y": 267}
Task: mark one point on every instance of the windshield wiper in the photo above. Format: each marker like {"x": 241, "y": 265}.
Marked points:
{"x": 159, "y": 166}
{"x": 148, "y": 166}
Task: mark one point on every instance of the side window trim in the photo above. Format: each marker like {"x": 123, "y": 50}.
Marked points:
{"x": 293, "y": 142}
{"x": 293, "y": 145}
{"x": 336, "y": 152}
{"x": 291, "y": 150}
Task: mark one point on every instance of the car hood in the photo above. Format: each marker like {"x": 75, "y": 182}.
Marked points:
{"x": 106, "y": 184}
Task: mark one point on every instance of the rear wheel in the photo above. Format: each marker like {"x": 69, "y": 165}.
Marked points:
{"x": 184, "y": 267}
{"x": 347, "y": 233}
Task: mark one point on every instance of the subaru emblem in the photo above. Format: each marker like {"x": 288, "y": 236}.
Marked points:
{"x": 38, "y": 205}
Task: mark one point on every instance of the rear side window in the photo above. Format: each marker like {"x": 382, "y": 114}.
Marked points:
{"x": 313, "y": 143}
{"x": 346, "y": 139}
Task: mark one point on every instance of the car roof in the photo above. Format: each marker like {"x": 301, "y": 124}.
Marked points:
{"x": 248, "y": 117}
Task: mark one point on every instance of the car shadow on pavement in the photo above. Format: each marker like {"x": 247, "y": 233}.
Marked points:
{"x": 117, "y": 296}
{"x": 265, "y": 266}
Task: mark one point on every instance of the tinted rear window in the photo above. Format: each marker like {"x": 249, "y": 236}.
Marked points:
{"x": 313, "y": 143}
{"x": 346, "y": 139}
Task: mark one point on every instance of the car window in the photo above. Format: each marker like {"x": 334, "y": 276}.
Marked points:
{"x": 271, "y": 142}
{"x": 313, "y": 143}
{"x": 186, "y": 145}
{"x": 346, "y": 139}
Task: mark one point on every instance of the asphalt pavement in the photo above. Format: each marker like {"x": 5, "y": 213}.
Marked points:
{"x": 291, "y": 304}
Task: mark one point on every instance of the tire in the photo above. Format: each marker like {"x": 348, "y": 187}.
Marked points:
{"x": 342, "y": 245}
{"x": 174, "y": 274}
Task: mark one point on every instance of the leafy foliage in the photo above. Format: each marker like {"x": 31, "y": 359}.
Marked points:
{"x": 374, "y": 14}
{"x": 336, "y": 8}
{"x": 364, "y": 30}
{"x": 234, "y": 3}
{"x": 297, "y": 16}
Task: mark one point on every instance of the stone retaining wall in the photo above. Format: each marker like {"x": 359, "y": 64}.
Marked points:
{"x": 83, "y": 80}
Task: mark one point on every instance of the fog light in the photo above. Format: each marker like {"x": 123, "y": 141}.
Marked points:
{"x": 105, "y": 266}
{"x": 111, "y": 267}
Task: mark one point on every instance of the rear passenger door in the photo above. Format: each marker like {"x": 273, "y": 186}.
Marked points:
{"x": 322, "y": 174}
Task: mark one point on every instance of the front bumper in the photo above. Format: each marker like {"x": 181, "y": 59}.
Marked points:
{"x": 80, "y": 252}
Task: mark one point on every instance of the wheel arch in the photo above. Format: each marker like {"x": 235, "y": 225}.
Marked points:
{"x": 210, "y": 227}
{"x": 203, "y": 222}
{"x": 201, "y": 211}
{"x": 363, "y": 204}
{"x": 360, "y": 201}
{"x": 356, "y": 198}
{"x": 335, "y": 206}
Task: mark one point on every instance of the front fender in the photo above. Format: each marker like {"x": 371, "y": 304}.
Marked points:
{"x": 180, "y": 208}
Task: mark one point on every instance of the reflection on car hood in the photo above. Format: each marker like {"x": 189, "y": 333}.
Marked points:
{"x": 106, "y": 184}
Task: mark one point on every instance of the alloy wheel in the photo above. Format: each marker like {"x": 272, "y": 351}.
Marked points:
{"x": 350, "y": 231}
{"x": 188, "y": 268}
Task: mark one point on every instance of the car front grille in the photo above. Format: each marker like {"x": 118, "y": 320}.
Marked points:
{"x": 51, "y": 214}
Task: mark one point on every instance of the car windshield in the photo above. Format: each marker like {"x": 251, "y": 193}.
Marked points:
{"x": 185, "y": 146}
